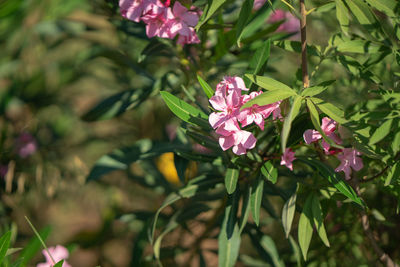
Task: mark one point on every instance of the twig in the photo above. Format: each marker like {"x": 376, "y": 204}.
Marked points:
{"x": 383, "y": 257}
{"x": 365, "y": 180}
{"x": 303, "y": 22}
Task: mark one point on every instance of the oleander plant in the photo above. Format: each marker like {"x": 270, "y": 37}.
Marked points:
{"x": 200, "y": 133}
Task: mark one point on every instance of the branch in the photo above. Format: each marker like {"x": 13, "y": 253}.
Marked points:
{"x": 303, "y": 22}
{"x": 383, "y": 257}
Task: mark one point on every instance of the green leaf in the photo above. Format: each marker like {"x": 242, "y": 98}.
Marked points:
{"x": 256, "y": 198}
{"x": 315, "y": 120}
{"x": 387, "y": 6}
{"x": 328, "y": 173}
{"x": 245, "y": 208}
{"x": 295, "y": 46}
{"x": 317, "y": 89}
{"x": 332, "y": 111}
{"x": 4, "y": 245}
{"x": 381, "y": 132}
{"x": 210, "y": 10}
{"x": 288, "y": 212}
{"x": 228, "y": 247}
{"x": 186, "y": 192}
{"x": 231, "y": 178}
{"x": 396, "y": 143}
{"x": 206, "y": 87}
{"x": 269, "y": 245}
{"x": 181, "y": 109}
{"x": 33, "y": 246}
{"x": 244, "y": 16}
{"x": 305, "y": 230}
{"x": 269, "y": 171}
{"x": 361, "y": 11}
{"x": 287, "y": 124}
{"x": 59, "y": 264}
{"x": 117, "y": 104}
{"x": 269, "y": 83}
{"x": 361, "y": 47}
{"x": 342, "y": 16}
{"x": 268, "y": 97}
{"x": 319, "y": 220}
{"x": 232, "y": 208}
{"x": 394, "y": 172}
{"x": 258, "y": 61}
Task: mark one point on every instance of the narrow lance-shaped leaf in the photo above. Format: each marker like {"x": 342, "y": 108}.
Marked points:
{"x": 329, "y": 109}
{"x": 268, "y": 97}
{"x": 287, "y": 124}
{"x": 305, "y": 229}
{"x": 4, "y": 245}
{"x": 228, "y": 247}
{"x": 258, "y": 61}
{"x": 269, "y": 83}
{"x": 244, "y": 16}
{"x": 269, "y": 245}
{"x": 328, "y": 173}
{"x": 245, "y": 208}
{"x": 381, "y": 132}
{"x": 231, "y": 178}
{"x": 317, "y": 89}
{"x": 182, "y": 109}
{"x": 361, "y": 11}
{"x": 206, "y": 87}
{"x": 59, "y": 264}
{"x": 342, "y": 15}
{"x": 319, "y": 220}
{"x": 315, "y": 120}
{"x": 269, "y": 171}
{"x": 288, "y": 213}
{"x": 386, "y": 6}
{"x": 256, "y": 198}
{"x": 212, "y": 8}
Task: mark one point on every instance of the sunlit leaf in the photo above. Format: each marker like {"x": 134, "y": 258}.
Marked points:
{"x": 380, "y": 133}
{"x": 288, "y": 213}
{"x": 231, "y": 178}
{"x": 319, "y": 220}
{"x": 4, "y": 245}
{"x": 269, "y": 171}
{"x": 287, "y": 124}
{"x": 305, "y": 230}
{"x": 206, "y": 88}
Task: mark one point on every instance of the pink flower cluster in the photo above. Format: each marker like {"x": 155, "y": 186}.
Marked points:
{"x": 57, "y": 253}
{"x": 161, "y": 20}
{"x": 291, "y": 23}
{"x": 348, "y": 156}
{"x": 227, "y": 102}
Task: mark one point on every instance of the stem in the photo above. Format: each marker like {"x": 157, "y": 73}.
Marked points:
{"x": 383, "y": 257}
{"x": 303, "y": 22}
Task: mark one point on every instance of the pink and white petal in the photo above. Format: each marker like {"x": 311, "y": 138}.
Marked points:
{"x": 239, "y": 83}
{"x": 311, "y": 136}
{"x": 226, "y": 142}
{"x": 259, "y": 120}
{"x": 218, "y": 103}
{"x": 179, "y": 9}
{"x": 335, "y": 138}
{"x": 325, "y": 146}
{"x": 239, "y": 149}
{"x": 152, "y": 30}
{"x": 248, "y": 140}
{"x": 328, "y": 125}
{"x": 216, "y": 119}
{"x": 233, "y": 99}
{"x": 190, "y": 18}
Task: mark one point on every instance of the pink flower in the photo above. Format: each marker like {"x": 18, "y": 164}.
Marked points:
{"x": 230, "y": 84}
{"x": 160, "y": 21}
{"x": 228, "y": 106}
{"x": 256, "y": 113}
{"x": 133, "y": 9}
{"x": 349, "y": 160}
{"x": 26, "y": 145}
{"x": 58, "y": 253}
{"x": 258, "y": 4}
{"x": 287, "y": 158}
{"x": 233, "y": 136}
{"x": 184, "y": 19}
{"x": 329, "y": 127}
{"x": 191, "y": 38}
{"x": 290, "y": 25}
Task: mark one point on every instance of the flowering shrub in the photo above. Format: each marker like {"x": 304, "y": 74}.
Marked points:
{"x": 268, "y": 123}
{"x": 245, "y": 131}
